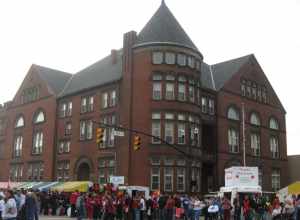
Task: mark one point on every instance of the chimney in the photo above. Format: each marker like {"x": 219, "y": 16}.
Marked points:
{"x": 113, "y": 55}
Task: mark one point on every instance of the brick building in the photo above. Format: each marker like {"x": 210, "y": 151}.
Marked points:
{"x": 159, "y": 84}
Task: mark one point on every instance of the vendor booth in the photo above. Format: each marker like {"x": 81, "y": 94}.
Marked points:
{"x": 81, "y": 186}
{"x": 292, "y": 189}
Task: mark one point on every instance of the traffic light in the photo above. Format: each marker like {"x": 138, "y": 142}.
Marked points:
{"x": 136, "y": 143}
{"x": 99, "y": 135}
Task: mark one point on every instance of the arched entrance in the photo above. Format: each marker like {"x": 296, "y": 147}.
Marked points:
{"x": 83, "y": 172}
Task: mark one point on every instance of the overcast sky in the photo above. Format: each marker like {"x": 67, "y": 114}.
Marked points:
{"x": 71, "y": 34}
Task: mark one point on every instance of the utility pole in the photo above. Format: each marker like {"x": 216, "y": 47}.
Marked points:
{"x": 244, "y": 137}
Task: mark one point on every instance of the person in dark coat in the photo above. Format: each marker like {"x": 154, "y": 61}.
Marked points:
{"x": 31, "y": 206}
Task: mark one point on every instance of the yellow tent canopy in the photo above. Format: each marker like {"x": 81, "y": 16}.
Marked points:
{"x": 294, "y": 188}
{"x": 81, "y": 186}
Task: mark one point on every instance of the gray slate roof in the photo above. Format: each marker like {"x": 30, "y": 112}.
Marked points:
{"x": 55, "y": 79}
{"x": 207, "y": 80}
{"x": 164, "y": 28}
{"x": 222, "y": 72}
{"x": 99, "y": 73}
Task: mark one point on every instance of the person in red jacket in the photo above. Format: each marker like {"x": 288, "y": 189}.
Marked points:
{"x": 246, "y": 208}
{"x": 89, "y": 203}
{"x": 170, "y": 208}
{"x": 73, "y": 199}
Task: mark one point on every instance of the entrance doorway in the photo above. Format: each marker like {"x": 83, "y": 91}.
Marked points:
{"x": 83, "y": 172}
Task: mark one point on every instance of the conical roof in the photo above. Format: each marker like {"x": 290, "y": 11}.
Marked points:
{"x": 164, "y": 28}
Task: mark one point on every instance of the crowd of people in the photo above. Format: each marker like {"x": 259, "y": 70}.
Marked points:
{"x": 119, "y": 205}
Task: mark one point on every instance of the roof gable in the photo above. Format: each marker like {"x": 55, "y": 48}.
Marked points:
{"x": 164, "y": 28}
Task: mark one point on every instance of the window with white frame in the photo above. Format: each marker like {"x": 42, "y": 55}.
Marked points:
{"x": 86, "y": 130}
{"x": 64, "y": 146}
{"x": 16, "y": 172}
{"x": 233, "y": 140}
{"x": 181, "y": 59}
{"x": 38, "y": 141}
{"x": 63, "y": 169}
{"x": 20, "y": 122}
{"x": 111, "y": 131}
{"x": 204, "y": 105}
{"x": 68, "y": 128}
{"x": 274, "y": 147}
{"x": 35, "y": 171}
{"x": 211, "y": 106}
{"x": 181, "y": 133}
{"x": 18, "y": 145}
{"x": 87, "y": 104}
{"x": 170, "y": 94}
{"x": 233, "y": 114}
{"x": 275, "y": 180}
{"x": 65, "y": 109}
{"x": 181, "y": 92}
{"x": 157, "y": 57}
{"x": 39, "y": 117}
{"x": 169, "y": 132}
{"x": 170, "y": 58}
{"x": 168, "y": 179}
{"x": 104, "y": 100}
{"x": 156, "y": 131}
{"x": 180, "y": 173}
{"x": 157, "y": 92}
{"x": 113, "y": 98}
{"x": 273, "y": 124}
{"x": 255, "y": 144}
{"x": 156, "y": 77}
{"x": 254, "y": 119}
{"x": 191, "y": 62}
{"x": 155, "y": 178}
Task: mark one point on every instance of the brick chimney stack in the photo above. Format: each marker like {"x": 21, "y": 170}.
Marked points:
{"x": 113, "y": 55}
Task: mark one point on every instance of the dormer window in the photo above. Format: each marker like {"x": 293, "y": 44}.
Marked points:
{"x": 20, "y": 122}
{"x": 157, "y": 57}
{"x": 170, "y": 58}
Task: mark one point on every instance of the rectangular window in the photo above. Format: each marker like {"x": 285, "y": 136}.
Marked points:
{"x": 170, "y": 58}
{"x": 111, "y": 136}
{"x": 264, "y": 95}
{"x": 86, "y": 130}
{"x": 35, "y": 171}
{"x": 63, "y": 168}
{"x": 156, "y": 131}
{"x": 259, "y": 94}
{"x": 169, "y": 116}
{"x": 181, "y": 133}
{"x": 204, "y": 105}
{"x": 102, "y": 179}
{"x": 87, "y": 104}
{"x": 155, "y": 161}
{"x": 192, "y": 93}
{"x": 248, "y": 89}
{"x": 68, "y": 128}
{"x": 104, "y": 101}
{"x": 113, "y": 98}
{"x": 211, "y": 106}
{"x": 18, "y": 145}
{"x": 155, "y": 178}
{"x": 157, "y": 57}
{"x": 233, "y": 140}
{"x": 16, "y": 172}
{"x": 168, "y": 179}
{"x": 180, "y": 179}
{"x": 274, "y": 146}
{"x": 181, "y": 92}
{"x": 255, "y": 144}
{"x": 62, "y": 110}
{"x": 156, "y": 94}
{"x": 275, "y": 180}
{"x": 155, "y": 115}
{"x": 169, "y": 132}
{"x": 37, "y": 147}
{"x": 243, "y": 89}
{"x": 181, "y": 59}
{"x": 83, "y": 107}
{"x": 69, "y": 109}
{"x": 191, "y": 62}
{"x": 170, "y": 91}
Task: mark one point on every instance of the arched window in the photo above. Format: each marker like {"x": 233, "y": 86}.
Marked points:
{"x": 254, "y": 119}
{"x": 39, "y": 117}
{"x": 233, "y": 114}
{"x": 20, "y": 122}
{"x": 274, "y": 124}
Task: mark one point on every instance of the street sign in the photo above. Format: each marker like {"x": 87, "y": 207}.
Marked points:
{"x": 119, "y": 133}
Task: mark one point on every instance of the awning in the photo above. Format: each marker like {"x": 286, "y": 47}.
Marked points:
{"x": 25, "y": 185}
{"x": 81, "y": 186}
{"x": 11, "y": 185}
{"x": 45, "y": 186}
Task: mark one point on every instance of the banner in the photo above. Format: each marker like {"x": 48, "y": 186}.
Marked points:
{"x": 241, "y": 176}
{"x": 116, "y": 180}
